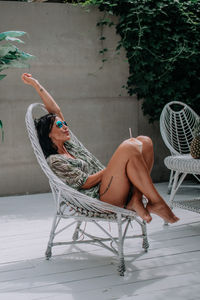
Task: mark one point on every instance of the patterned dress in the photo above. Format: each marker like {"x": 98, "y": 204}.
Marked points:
{"x": 75, "y": 172}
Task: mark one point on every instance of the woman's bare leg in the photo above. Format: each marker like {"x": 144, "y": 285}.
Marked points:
{"x": 127, "y": 166}
{"x": 135, "y": 202}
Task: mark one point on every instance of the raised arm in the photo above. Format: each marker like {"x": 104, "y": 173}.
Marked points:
{"x": 47, "y": 99}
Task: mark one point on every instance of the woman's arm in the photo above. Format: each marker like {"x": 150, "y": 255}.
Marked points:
{"x": 92, "y": 180}
{"x": 47, "y": 99}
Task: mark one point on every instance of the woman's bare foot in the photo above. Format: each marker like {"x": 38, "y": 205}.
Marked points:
{"x": 163, "y": 211}
{"x": 137, "y": 205}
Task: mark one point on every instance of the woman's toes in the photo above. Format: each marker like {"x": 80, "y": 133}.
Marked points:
{"x": 163, "y": 211}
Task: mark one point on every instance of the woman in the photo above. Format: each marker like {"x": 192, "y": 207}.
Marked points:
{"x": 130, "y": 165}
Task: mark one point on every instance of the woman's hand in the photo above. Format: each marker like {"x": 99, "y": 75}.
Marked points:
{"x": 28, "y": 79}
{"x": 93, "y": 180}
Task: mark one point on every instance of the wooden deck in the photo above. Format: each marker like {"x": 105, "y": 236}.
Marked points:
{"x": 170, "y": 270}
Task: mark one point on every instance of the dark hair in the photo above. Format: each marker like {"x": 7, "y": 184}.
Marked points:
{"x": 43, "y": 126}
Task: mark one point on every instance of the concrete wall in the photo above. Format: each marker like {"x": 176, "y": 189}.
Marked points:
{"x": 65, "y": 41}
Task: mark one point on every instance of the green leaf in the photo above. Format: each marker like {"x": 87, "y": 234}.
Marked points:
{"x": 3, "y": 67}
{"x": 2, "y": 131}
{"x": 25, "y": 56}
{"x": 2, "y": 76}
{"x": 4, "y": 35}
{"x": 5, "y": 49}
{"x": 103, "y": 51}
{"x": 12, "y": 39}
{"x": 10, "y": 55}
{"x": 17, "y": 64}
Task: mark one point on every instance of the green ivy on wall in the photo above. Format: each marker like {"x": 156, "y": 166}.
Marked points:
{"x": 162, "y": 42}
{"x": 2, "y": 131}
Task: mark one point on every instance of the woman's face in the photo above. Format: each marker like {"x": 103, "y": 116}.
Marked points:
{"x": 59, "y": 131}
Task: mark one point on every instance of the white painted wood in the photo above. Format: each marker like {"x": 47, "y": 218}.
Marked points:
{"x": 170, "y": 270}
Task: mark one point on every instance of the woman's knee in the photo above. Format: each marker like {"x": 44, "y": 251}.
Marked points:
{"x": 131, "y": 146}
{"x": 146, "y": 141}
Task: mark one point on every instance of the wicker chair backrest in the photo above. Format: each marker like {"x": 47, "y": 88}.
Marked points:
{"x": 35, "y": 142}
{"x": 177, "y": 123}
{"x": 61, "y": 190}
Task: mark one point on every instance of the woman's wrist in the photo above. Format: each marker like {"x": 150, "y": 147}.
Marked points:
{"x": 101, "y": 173}
{"x": 35, "y": 83}
{"x": 38, "y": 86}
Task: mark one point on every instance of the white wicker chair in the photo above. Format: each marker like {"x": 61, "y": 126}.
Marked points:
{"x": 70, "y": 203}
{"x": 177, "y": 122}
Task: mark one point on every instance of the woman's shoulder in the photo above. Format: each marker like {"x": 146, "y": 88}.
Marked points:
{"x": 54, "y": 158}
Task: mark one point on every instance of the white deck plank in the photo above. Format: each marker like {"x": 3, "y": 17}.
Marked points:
{"x": 89, "y": 276}
{"x": 170, "y": 270}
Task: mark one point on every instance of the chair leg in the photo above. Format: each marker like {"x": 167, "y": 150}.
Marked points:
{"x": 197, "y": 177}
{"x": 176, "y": 184}
{"x": 76, "y": 231}
{"x": 121, "y": 266}
{"x": 170, "y": 182}
{"x": 145, "y": 244}
{"x": 48, "y": 252}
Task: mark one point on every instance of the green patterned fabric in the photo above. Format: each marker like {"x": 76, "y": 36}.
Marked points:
{"x": 75, "y": 172}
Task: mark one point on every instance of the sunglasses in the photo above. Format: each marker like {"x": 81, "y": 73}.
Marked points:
{"x": 60, "y": 124}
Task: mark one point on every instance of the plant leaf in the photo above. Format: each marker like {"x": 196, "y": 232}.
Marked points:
{"x": 12, "y": 39}
{"x": 5, "y": 49}
{"x": 17, "y": 64}
{"x": 2, "y": 76}
{"x": 2, "y": 131}
{"x": 3, "y": 67}
{"x": 4, "y": 35}
{"x": 25, "y": 56}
